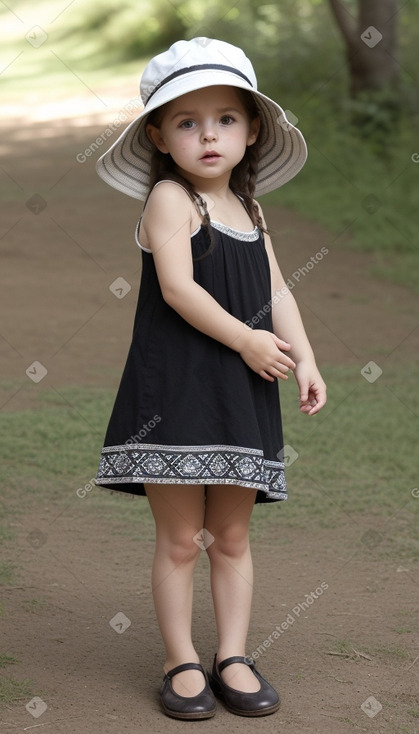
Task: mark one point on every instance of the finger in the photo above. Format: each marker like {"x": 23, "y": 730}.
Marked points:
{"x": 304, "y": 389}
{"x": 287, "y": 362}
{"x": 319, "y": 405}
{"x": 281, "y": 343}
{"x": 281, "y": 374}
{"x": 316, "y": 404}
{"x": 273, "y": 373}
{"x": 315, "y": 410}
{"x": 266, "y": 376}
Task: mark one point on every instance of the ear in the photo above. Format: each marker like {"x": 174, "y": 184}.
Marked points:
{"x": 154, "y": 134}
{"x": 253, "y": 131}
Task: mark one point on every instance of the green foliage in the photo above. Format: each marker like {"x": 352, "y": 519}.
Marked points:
{"x": 293, "y": 43}
{"x": 7, "y": 573}
{"x": 345, "y": 468}
{"x": 353, "y": 188}
{"x": 60, "y": 440}
{"x": 7, "y": 660}
{"x": 69, "y": 434}
{"x": 361, "y": 176}
{"x": 375, "y": 113}
{"x": 352, "y": 464}
{"x": 12, "y": 690}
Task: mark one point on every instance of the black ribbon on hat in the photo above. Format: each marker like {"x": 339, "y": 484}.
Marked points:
{"x": 197, "y": 67}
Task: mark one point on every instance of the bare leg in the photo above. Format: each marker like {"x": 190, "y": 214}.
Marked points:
{"x": 227, "y": 517}
{"x": 178, "y": 511}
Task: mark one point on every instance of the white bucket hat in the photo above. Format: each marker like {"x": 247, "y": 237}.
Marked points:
{"x": 185, "y": 67}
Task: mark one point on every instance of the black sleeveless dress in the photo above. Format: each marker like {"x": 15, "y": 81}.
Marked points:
{"x": 188, "y": 409}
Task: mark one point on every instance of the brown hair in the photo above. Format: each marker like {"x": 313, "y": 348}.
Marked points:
{"x": 243, "y": 176}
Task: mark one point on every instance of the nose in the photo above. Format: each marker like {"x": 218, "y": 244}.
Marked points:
{"x": 209, "y": 131}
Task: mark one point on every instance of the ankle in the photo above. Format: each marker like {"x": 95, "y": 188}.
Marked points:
{"x": 225, "y": 654}
{"x": 172, "y": 663}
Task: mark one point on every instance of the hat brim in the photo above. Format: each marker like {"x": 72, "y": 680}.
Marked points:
{"x": 283, "y": 152}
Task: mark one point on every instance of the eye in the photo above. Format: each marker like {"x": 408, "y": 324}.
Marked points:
{"x": 187, "y": 124}
{"x": 227, "y": 120}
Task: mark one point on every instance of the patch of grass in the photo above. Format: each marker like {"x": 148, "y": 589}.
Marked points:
{"x": 356, "y": 461}
{"x": 12, "y": 690}
{"x": 361, "y": 195}
{"x": 390, "y": 651}
{"x": 7, "y": 573}
{"x": 60, "y": 438}
{"x": 57, "y": 439}
{"x": 5, "y": 533}
{"x": 343, "y": 647}
{"x": 401, "y": 269}
{"x": 347, "y": 650}
{"x": 7, "y": 660}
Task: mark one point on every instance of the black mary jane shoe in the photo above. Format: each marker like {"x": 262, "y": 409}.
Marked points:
{"x": 262, "y": 702}
{"x": 202, "y": 706}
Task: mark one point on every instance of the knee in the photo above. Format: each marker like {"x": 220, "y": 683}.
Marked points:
{"x": 232, "y": 542}
{"x": 180, "y": 549}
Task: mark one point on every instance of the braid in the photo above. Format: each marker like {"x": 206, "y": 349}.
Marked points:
{"x": 244, "y": 175}
{"x": 202, "y": 208}
{"x": 243, "y": 183}
{"x": 253, "y": 174}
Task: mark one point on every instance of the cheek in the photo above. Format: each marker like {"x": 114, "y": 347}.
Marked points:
{"x": 181, "y": 153}
{"x": 182, "y": 149}
{"x": 185, "y": 144}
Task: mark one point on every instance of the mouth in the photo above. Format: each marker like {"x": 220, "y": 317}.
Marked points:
{"x": 210, "y": 155}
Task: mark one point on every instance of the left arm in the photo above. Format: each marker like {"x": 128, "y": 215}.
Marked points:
{"x": 288, "y": 325}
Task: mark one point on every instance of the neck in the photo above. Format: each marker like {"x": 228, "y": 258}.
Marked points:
{"x": 217, "y": 187}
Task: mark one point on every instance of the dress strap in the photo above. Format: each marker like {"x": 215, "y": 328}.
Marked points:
{"x": 137, "y": 235}
{"x": 169, "y": 180}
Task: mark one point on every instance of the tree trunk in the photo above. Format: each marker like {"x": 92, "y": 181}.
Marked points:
{"x": 371, "y": 43}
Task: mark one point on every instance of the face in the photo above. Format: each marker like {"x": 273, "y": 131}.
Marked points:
{"x": 206, "y": 133}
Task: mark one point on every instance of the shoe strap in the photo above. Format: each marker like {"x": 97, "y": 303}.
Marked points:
{"x": 235, "y": 659}
{"x": 184, "y": 666}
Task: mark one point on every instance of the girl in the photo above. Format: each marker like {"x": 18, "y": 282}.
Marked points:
{"x": 196, "y": 425}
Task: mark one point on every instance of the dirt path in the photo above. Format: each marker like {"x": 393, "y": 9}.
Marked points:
{"x": 66, "y": 238}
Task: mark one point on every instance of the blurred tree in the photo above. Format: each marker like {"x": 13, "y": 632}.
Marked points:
{"x": 371, "y": 41}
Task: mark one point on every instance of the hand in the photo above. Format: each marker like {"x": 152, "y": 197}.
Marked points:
{"x": 312, "y": 388}
{"x": 261, "y": 351}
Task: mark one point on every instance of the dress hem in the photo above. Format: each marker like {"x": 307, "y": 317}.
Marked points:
{"x": 214, "y": 464}
{"x": 110, "y": 481}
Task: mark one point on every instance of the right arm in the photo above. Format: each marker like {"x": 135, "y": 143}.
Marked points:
{"x": 167, "y": 223}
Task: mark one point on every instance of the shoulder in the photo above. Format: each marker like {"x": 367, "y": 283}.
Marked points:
{"x": 168, "y": 196}
{"x": 168, "y": 209}
{"x": 169, "y": 213}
